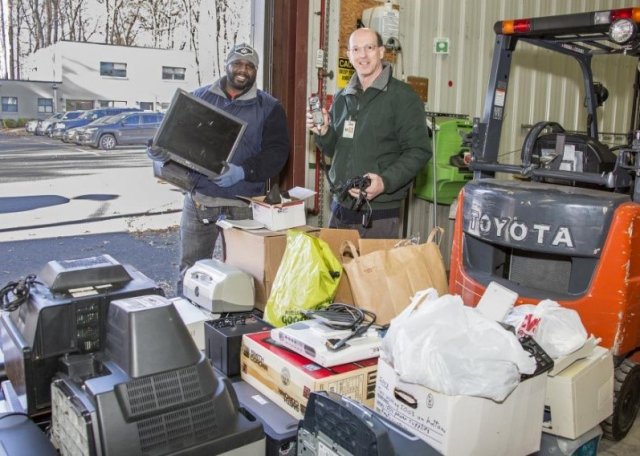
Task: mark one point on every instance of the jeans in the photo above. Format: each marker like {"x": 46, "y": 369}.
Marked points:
{"x": 199, "y": 232}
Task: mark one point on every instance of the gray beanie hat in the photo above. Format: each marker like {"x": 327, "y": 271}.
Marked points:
{"x": 242, "y": 51}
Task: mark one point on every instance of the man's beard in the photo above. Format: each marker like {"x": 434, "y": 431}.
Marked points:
{"x": 240, "y": 85}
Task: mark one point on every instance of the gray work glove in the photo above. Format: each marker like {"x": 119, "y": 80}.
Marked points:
{"x": 157, "y": 153}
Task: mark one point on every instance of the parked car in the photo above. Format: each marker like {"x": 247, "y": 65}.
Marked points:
{"x": 43, "y": 125}
{"x": 87, "y": 118}
{"x": 126, "y": 129}
{"x": 46, "y": 126}
{"x": 30, "y": 126}
{"x": 72, "y": 134}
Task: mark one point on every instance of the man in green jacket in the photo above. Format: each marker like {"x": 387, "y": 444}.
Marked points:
{"x": 376, "y": 128}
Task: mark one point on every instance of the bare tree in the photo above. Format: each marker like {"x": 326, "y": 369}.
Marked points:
{"x": 192, "y": 19}
{"x": 4, "y": 43}
{"x": 75, "y": 22}
{"x": 123, "y": 18}
{"x": 34, "y": 24}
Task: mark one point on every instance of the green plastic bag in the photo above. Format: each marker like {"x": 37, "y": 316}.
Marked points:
{"x": 307, "y": 279}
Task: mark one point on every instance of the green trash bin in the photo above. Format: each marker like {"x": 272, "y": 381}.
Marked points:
{"x": 447, "y": 143}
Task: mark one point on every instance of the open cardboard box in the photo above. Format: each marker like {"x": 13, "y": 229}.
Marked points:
{"x": 287, "y": 214}
{"x": 464, "y": 425}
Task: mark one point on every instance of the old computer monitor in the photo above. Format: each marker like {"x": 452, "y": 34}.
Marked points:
{"x": 199, "y": 135}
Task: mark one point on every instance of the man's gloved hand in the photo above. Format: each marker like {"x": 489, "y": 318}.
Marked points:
{"x": 231, "y": 176}
{"x": 156, "y": 153}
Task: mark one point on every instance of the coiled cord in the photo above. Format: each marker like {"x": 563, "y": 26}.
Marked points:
{"x": 16, "y": 293}
{"x": 344, "y": 316}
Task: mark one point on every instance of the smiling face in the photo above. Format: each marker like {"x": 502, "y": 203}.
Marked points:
{"x": 365, "y": 54}
{"x": 241, "y": 74}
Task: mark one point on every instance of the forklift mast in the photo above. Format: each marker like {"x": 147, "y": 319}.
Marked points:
{"x": 580, "y": 36}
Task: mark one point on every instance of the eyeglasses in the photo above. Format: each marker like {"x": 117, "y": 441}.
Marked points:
{"x": 367, "y": 48}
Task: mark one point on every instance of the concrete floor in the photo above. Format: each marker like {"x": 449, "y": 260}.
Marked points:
{"x": 628, "y": 446}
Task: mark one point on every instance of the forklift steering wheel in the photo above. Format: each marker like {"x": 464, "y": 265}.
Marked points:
{"x": 532, "y": 137}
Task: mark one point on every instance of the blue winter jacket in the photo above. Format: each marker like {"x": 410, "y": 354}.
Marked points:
{"x": 264, "y": 147}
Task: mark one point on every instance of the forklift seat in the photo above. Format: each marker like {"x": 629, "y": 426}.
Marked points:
{"x": 561, "y": 150}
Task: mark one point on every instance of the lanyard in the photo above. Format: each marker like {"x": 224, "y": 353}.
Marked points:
{"x": 353, "y": 106}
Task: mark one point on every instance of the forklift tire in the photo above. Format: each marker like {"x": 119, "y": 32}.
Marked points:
{"x": 626, "y": 401}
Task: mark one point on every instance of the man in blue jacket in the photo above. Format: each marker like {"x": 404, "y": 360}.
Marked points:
{"x": 261, "y": 154}
{"x": 376, "y": 127}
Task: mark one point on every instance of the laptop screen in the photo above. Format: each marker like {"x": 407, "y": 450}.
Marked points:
{"x": 198, "y": 135}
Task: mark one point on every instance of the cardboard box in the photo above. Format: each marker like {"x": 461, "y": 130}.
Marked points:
{"x": 288, "y": 379}
{"x": 276, "y": 217}
{"x": 258, "y": 253}
{"x": 581, "y": 396}
{"x": 464, "y": 425}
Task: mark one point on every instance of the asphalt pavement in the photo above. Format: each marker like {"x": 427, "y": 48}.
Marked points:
{"x": 153, "y": 252}
{"x": 60, "y": 202}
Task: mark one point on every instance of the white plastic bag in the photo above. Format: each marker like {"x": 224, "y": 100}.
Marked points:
{"x": 451, "y": 348}
{"x": 558, "y": 330}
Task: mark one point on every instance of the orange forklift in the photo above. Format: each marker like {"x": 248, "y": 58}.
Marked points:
{"x": 563, "y": 222}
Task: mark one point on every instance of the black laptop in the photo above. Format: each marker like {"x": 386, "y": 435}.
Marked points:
{"x": 199, "y": 135}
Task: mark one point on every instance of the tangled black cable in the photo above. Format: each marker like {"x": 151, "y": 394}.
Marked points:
{"x": 16, "y": 293}
{"x": 344, "y": 316}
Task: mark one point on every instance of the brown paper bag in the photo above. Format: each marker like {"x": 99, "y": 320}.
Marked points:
{"x": 335, "y": 238}
{"x": 384, "y": 281}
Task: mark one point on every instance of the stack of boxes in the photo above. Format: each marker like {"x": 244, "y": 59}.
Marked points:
{"x": 283, "y": 376}
{"x": 288, "y": 378}
{"x": 579, "y": 397}
{"x": 574, "y": 397}
{"x": 269, "y": 379}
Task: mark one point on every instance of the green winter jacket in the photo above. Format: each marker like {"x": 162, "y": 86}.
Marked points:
{"x": 390, "y": 137}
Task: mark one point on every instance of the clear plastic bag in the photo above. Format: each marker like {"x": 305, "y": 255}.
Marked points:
{"x": 453, "y": 349}
{"x": 307, "y": 279}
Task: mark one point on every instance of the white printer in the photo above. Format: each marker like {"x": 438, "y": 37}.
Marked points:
{"x": 219, "y": 287}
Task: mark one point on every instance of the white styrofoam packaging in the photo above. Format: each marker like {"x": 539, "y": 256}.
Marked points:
{"x": 277, "y": 217}
{"x": 464, "y": 425}
{"x": 581, "y": 396}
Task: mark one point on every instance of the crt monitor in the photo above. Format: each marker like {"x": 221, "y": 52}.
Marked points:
{"x": 150, "y": 392}
{"x": 198, "y": 135}
{"x": 65, "y": 314}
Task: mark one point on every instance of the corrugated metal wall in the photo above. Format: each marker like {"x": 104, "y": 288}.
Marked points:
{"x": 458, "y": 81}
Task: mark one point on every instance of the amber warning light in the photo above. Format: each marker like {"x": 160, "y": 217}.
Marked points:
{"x": 516, "y": 26}
{"x": 522, "y": 26}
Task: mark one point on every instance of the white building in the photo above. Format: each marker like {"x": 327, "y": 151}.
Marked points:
{"x": 21, "y": 99}
{"x": 76, "y": 75}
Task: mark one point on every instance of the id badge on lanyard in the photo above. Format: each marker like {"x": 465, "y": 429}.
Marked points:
{"x": 348, "y": 129}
